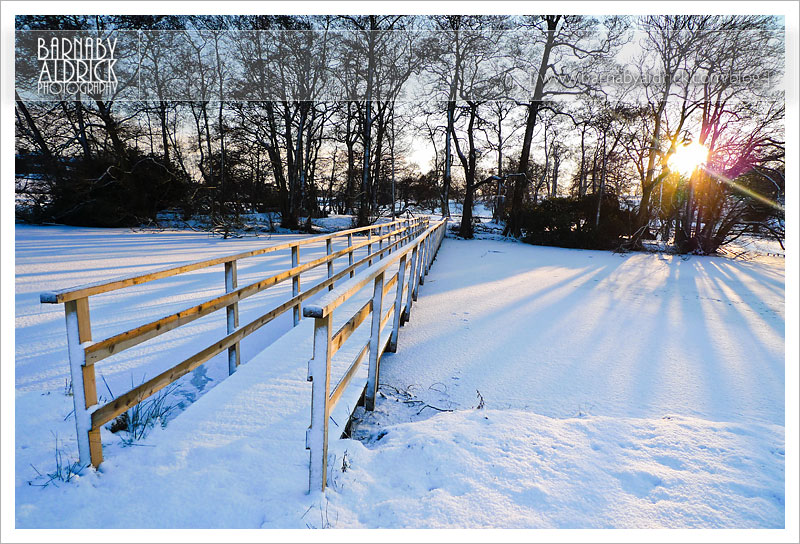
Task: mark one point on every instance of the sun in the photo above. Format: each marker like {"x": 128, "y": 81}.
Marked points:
{"x": 687, "y": 158}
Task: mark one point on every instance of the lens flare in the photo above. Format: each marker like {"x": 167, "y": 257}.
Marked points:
{"x": 744, "y": 190}
{"x": 688, "y": 158}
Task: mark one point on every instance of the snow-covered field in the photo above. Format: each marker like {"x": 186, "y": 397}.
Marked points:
{"x": 617, "y": 391}
{"x": 51, "y": 258}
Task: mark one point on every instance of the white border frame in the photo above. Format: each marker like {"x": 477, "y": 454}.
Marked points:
{"x": 8, "y": 11}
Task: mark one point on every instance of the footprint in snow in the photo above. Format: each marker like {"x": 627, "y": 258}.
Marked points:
{"x": 638, "y": 483}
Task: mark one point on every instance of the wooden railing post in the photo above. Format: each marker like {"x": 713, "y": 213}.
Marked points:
{"x": 350, "y": 254}
{"x": 380, "y": 242}
{"x": 441, "y": 231}
{"x": 423, "y": 259}
{"x": 398, "y": 304}
{"x": 428, "y": 251}
{"x": 84, "y": 387}
{"x": 319, "y": 373}
{"x": 296, "y": 283}
{"x": 231, "y": 283}
{"x": 411, "y": 285}
{"x": 374, "y": 344}
{"x": 369, "y": 246}
{"x": 328, "y": 250}
{"x": 418, "y": 267}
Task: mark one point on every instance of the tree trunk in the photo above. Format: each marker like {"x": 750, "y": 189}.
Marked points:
{"x": 110, "y": 124}
{"x": 82, "y": 138}
{"x": 451, "y": 106}
{"x": 554, "y": 182}
{"x": 602, "y": 184}
{"x": 37, "y": 135}
{"x": 164, "y": 131}
{"x": 513, "y": 227}
{"x": 364, "y": 209}
{"x": 469, "y": 162}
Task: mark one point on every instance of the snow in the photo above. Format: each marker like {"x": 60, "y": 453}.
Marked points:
{"x": 556, "y": 331}
{"x": 757, "y": 245}
{"x": 635, "y": 390}
{"x": 516, "y": 469}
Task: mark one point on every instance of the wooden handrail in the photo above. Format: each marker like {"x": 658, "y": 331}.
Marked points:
{"x": 90, "y": 289}
{"x": 106, "y": 413}
{"x": 124, "y": 340}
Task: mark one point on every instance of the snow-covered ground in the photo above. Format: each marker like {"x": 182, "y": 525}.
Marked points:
{"x": 757, "y": 245}
{"x": 617, "y": 391}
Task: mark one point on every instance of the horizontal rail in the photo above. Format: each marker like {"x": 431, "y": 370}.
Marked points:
{"x": 387, "y": 316}
{"x": 90, "y": 289}
{"x": 340, "y": 294}
{"x": 349, "y": 328}
{"x": 125, "y": 340}
{"x": 345, "y": 381}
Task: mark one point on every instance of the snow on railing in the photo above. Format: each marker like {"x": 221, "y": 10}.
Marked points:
{"x": 422, "y": 251}
{"x": 83, "y": 353}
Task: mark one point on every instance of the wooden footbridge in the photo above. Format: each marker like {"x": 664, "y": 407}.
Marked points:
{"x": 398, "y": 256}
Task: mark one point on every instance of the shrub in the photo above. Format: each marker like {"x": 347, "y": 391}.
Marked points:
{"x": 137, "y": 421}
{"x": 570, "y": 222}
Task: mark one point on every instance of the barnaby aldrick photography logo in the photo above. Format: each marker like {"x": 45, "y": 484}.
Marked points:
{"x": 75, "y": 65}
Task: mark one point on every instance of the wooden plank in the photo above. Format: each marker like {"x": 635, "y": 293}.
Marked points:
{"x": 89, "y": 386}
{"x": 398, "y": 302}
{"x": 296, "y": 283}
{"x": 84, "y": 320}
{"x": 350, "y": 254}
{"x": 369, "y": 246}
{"x": 328, "y": 250}
{"x": 90, "y": 289}
{"x": 410, "y": 286}
{"x": 424, "y": 259}
{"x": 345, "y": 381}
{"x": 83, "y": 423}
{"x": 352, "y": 324}
{"x": 95, "y": 447}
{"x": 417, "y": 274}
{"x": 88, "y": 380}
